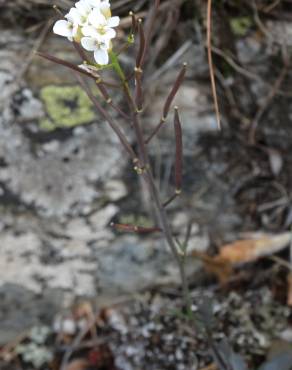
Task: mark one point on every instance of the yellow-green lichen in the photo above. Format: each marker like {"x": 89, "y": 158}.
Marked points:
{"x": 66, "y": 106}
{"x": 240, "y": 25}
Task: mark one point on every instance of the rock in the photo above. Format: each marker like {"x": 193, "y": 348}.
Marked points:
{"x": 78, "y": 229}
{"x": 20, "y": 309}
{"x": 198, "y": 240}
{"x": 60, "y": 182}
{"x": 131, "y": 265}
{"x": 101, "y": 218}
{"x": 27, "y": 107}
{"x": 53, "y": 177}
{"x": 279, "y": 32}
{"x": 115, "y": 190}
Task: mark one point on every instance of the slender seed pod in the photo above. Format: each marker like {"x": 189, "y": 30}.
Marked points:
{"x": 99, "y": 82}
{"x": 120, "y": 111}
{"x": 108, "y": 118}
{"x": 134, "y": 23}
{"x": 174, "y": 90}
{"x": 148, "y": 33}
{"x": 64, "y": 63}
{"x": 155, "y": 131}
{"x": 168, "y": 102}
{"x": 138, "y": 90}
{"x": 135, "y": 229}
{"x": 166, "y": 203}
{"x": 178, "y": 151}
{"x": 103, "y": 91}
{"x": 142, "y": 44}
{"x": 58, "y": 11}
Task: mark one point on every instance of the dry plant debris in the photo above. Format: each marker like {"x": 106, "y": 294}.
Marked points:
{"x": 248, "y": 250}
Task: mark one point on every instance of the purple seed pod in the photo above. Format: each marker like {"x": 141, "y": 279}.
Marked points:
{"x": 174, "y": 90}
{"x": 135, "y": 229}
{"x": 178, "y": 151}
{"x": 142, "y": 44}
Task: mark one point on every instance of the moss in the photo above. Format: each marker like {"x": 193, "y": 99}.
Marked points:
{"x": 240, "y": 25}
{"x": 66, "y": 106}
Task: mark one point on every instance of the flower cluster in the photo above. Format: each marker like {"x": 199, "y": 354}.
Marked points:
{"x": 90, "y": 23}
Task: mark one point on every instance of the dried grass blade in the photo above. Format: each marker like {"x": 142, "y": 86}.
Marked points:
{"x": 210, "y": 61}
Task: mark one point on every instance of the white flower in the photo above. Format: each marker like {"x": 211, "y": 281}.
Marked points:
{"x": 99, "y": 47}
{"x": 67, "y": 28}
{"x": 83, "y": 9}
{"x": 76, "y": 17}
{"x": 105, "y": 9}
{"x": 90, "y": 22}
{"x": 100, "y": 27}
{"x": 98, "y": 3}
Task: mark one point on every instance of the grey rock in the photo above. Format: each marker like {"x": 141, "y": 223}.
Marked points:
{"x": 131, "y": 265}
{"x": 20, "y": 309}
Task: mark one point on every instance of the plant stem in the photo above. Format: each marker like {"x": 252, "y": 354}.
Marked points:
{"x": 163, "y": 220}
{"x": 147, "y": 175}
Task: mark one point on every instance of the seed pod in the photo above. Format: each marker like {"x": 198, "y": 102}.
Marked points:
{"x": 174, "y": 90}
{"x": 134, "y": 23}
{"x": 138, "y": 90}
{"x": 142, "y": 44}
{"x": 178, "y": 151}
{"x": 135, "y": 229}
{"x": 64, "y": 63}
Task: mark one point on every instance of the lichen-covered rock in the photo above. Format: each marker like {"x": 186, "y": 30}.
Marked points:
{"x": 54, "y": 176}
{"x": 63, "y": 181}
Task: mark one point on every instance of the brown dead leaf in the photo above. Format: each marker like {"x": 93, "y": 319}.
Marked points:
{"x": 77, "y": 365}
{"x": 217, "y": 265}
{"x": 242, "y": 251}
{"x": 220, "y": 268}
{"x": 83, "y": 310}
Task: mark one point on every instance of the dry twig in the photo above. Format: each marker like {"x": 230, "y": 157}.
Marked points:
{"x": 210, "y": 61}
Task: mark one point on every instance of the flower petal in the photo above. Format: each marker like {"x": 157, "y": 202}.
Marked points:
{"x": 93, "y": 3}
{"x": 105, "y": 9}
{"x": 63, "y": 28}
{"x": 88, "y": 43}
{"x": 74, "y": 16}
{"x": 89, "y": 31}
{"x": 113, "y": 21}
{"x": 101, "y": 57}
{"x": 105, "y": 45}
{"x": 83, "y": 7}
{"x": 110, "y": 34}
{"x": 96, "y": 18}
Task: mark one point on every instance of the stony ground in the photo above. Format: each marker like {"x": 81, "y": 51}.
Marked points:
{"x": 64, "y": 178}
